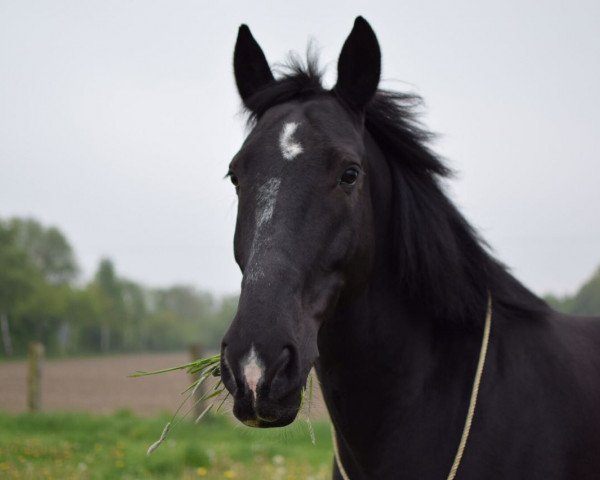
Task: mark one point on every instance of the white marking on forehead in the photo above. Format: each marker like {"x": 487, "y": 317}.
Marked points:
{"x": 252, "y": 367}
{"x": 289, "y": 148}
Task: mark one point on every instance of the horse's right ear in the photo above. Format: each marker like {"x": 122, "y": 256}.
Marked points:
{"x": 250, "y": 66}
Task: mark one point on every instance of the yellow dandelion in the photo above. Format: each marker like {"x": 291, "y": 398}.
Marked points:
{"x": 229, "y": 474}
{"x": 201, "y": 472}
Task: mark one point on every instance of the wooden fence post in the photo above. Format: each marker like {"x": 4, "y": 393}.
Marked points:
{"x": 34, "y": 376}
{"x": 4, "y": 328}
{"x": 196, "y": 352}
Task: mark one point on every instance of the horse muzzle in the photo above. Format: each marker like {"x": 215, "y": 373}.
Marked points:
{"x": 266, "y": 389}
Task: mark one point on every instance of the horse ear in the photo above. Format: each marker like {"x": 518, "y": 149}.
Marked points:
{"x": 359, "y": 65}
{"x": 250, "y": 66}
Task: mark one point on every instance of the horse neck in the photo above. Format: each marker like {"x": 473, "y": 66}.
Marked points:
{"x": 392, "y": 375}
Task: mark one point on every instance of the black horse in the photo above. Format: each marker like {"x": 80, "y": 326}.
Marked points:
{"x": 354, "y": 260}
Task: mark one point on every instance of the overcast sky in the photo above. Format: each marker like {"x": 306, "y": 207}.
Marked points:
{"x": 118, "y": 120}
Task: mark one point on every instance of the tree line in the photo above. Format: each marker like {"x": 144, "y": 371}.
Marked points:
{"x": 43, "y": 299}
{"x": 586, "y": 301}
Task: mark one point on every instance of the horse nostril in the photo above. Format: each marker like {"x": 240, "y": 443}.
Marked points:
{"x": 228, "y": 376}
{"x": 286, "y": 373}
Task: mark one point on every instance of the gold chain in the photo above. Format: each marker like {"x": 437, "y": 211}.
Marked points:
{"x": 472, "y": 403}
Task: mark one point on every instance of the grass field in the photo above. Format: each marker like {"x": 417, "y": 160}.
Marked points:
{"x": 85, "y": 446}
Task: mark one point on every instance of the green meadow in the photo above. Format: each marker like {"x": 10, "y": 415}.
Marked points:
{"x": 84, "y": 446}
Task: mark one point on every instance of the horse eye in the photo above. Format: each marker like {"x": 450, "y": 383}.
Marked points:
{"x": 349, "y": 177}
{"x": 234, "y": 180}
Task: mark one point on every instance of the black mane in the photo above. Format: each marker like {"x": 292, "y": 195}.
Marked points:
{"x": 450, "y": 268}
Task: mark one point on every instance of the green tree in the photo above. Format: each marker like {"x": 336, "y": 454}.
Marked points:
{"x": 585, "y": 302}
{"x": 214, "y": 327}
{"x": 136, "y": 311}
{"x": 42, "y": 314}
{"x": 587, "y": 299}
{"x": 185, "y": 309}
{"x": 47, "y": 248}
{"x": 17, "y": 280}
{"x": 39, "y": 300}
{"x": 110, "y": 293}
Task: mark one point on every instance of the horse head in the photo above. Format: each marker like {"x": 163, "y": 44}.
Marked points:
{"x": 304, "y": 232}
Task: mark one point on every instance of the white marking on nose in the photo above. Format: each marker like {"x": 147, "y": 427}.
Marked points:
{"x": 289, "y": 148}
{"x": 265, "y": 206}
{"x": 252, "y": 367}
{"x": 267, "y": 196}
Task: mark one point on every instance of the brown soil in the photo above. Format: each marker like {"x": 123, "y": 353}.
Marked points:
{"x": 102, "y": 385}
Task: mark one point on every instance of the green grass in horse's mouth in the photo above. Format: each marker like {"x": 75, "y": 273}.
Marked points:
{"x": 206, "y": 368}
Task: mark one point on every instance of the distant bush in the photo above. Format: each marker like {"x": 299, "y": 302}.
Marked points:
{"x": 585, "y": 302}
{"x": 40, "y": 299}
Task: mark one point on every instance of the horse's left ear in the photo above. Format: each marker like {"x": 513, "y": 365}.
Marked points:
{"x": 359, "y": 65}
{"x": 250, "y": 66}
